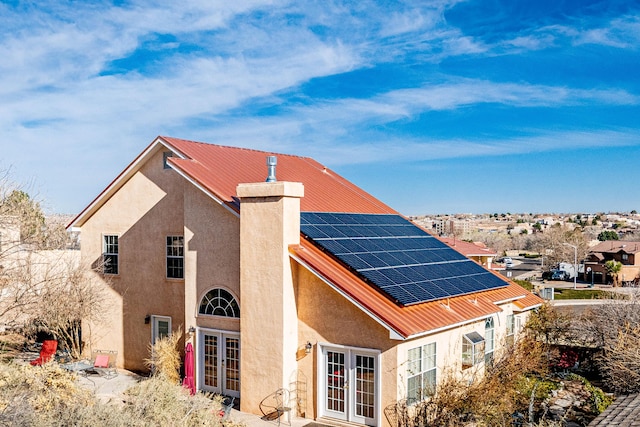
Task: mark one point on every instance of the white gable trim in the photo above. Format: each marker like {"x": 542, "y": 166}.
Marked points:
{"x": 201, "y": 188}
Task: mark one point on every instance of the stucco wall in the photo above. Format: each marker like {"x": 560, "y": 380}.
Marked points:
{"x": 327, "y": 317}
{"x": 212, "y": 257}
{"x": 142, "y": 213}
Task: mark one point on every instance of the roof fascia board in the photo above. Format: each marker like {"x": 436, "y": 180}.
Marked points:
{"x": 448, "y": 327}
{"x": 393, "y": 334}
{"x": 504, "y": 301}
{"x": 522, "y": 310}
{"x": 123, "y": 177}
{"x": 201, "y": 188}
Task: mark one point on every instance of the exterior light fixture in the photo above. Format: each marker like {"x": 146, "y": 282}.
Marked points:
{"x": 307, "y": 347}
{"x": 147, "y": 319}
{"x": 192, "y": 330}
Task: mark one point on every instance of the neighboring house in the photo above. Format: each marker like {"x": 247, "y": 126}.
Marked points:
{"x": 625, "y": 252}
{"x": 476, "y": 251}
{"x": 304, "y": 282}
{"x": 25, "y": 271}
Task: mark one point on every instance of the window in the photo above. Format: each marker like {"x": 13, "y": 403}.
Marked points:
{"x": 625, "y": 257}
{"x": 511, "y": 328}
{"x": 219, "y": 302}
{"x": 421, "y": 372}
{"x": 489, "y": 341}
{"x": 472, "y": 349}
{"x": 160, "y": 328}
{"x": 110, "y": 254}
{"x": 175, "y": 257}
{"x": 165, "y": 156}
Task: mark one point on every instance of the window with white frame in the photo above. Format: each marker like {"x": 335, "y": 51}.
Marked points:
{"x": 489, "y": 341}
{"x": 175, "y": 257}
{"x": 219, "y": 302}
{"x": 110, "y": 254}
{"x": 472, "y": 349}
{"x": 511, "y": 329}
{"x": 421, "y": 372}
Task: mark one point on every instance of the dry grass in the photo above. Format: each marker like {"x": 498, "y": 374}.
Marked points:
{"x": 165, "y": 358}
{"x": 49, "y": 396}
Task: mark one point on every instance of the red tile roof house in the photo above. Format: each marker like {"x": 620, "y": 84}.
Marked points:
{"x": 194, "y": 239}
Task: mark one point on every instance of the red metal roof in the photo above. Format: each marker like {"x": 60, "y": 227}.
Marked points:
{"x": 220, "y": 169}
{"x": 408, "y": 321}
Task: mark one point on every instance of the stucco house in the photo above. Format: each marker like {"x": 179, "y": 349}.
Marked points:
{"x": 287, "y": 275}
{"x": 624, "y": 251}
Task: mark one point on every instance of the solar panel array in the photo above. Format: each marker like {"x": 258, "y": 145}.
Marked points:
{"x": 405, "y": 262}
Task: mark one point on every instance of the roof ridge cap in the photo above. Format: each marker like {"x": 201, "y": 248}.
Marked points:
{"x": 169, "y": 138}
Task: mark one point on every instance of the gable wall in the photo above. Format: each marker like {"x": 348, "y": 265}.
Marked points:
{"x": 324, "y": 316}
{"x": 327, "y": 317}
{"x": 142, "y": 213}
{"x": 212, "y": 257}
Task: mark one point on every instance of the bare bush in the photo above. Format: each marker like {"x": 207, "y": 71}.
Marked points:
{"x": 491, "y": 400}
{"x": 165, "y": 358}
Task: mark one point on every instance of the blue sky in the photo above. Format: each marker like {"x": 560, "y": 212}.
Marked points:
{"x": 434, "y": 107}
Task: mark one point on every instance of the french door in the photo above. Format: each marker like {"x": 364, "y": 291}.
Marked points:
{"x": 349, "y": 386}
{"x": 219, "y": 362}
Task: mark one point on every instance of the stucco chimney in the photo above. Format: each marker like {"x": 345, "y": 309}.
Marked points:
{"x": 269, "y": 223}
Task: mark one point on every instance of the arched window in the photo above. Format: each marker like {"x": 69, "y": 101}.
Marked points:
{"x": 219, "y": 302}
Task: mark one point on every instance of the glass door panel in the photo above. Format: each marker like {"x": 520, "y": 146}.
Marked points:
{"x": 219, "y": 360}
{"x": 336, "y": 383}
{"x": 365, "y": 389}
{"x": 232, "y": 364}
{"x": 210, "y": 361}
{"x": 350, "y": 391}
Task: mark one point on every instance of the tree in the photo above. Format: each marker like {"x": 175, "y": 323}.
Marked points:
{"x": 43, "y": 286}
{"x": 613, "y": 268}
{"x": 613, "y": 327}
{"x": 608, "y": 235}
{"x": 70, "y": 298}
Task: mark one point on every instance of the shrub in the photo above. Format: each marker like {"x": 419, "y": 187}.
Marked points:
{"x": 50, "y": 396}
{"x": 599, "y": 400}
{"x": 165, "y": 358}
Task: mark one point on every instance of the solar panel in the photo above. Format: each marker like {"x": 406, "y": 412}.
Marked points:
{"x": 403, "y": 261}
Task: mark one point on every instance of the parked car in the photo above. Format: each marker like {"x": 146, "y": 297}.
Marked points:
{"x": 560, "y": 275}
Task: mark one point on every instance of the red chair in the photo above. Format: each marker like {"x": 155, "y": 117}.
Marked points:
{"x": 47, "y": 351}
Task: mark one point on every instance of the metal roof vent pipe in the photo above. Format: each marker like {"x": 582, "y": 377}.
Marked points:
{"x": 271, "y": 163}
